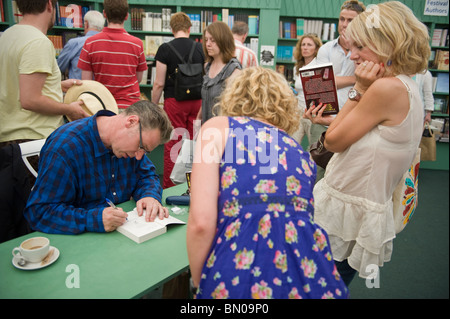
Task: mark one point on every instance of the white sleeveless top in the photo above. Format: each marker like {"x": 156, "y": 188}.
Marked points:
{"x": 353, "y": 202}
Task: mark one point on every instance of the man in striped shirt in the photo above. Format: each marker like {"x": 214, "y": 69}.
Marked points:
{"x": 113, "y": 57}
{"x": 245, "y": 55}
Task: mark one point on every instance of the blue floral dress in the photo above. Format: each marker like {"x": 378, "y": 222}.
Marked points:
{"x": 267, "y": 245}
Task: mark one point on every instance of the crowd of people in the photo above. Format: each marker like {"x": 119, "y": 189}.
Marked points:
{"x": 264, "y": 220}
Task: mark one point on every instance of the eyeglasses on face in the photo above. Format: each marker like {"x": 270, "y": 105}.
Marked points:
{"x": 141, "y": 146}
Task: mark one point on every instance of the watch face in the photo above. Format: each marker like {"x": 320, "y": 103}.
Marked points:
{"x": 353, "y": 94}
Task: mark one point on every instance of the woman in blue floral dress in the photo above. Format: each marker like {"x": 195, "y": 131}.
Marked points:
{"x": 251, "y": 232}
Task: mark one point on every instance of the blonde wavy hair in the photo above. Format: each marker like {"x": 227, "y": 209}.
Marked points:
{"x": 393, "y": 33}
{"x": 262, "y": 94}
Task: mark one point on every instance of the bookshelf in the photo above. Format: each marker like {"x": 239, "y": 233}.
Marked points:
{"x": 270, "y": 12}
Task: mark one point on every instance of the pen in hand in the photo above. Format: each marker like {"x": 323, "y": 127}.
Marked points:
{"x": 110, "y": 203}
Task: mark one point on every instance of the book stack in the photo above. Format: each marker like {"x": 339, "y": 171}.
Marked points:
{"x": 440, "y": 38}
{"x": 57, "y": 43}
{"x": 294, "y": 30}
{"x": 195, "y": 20}
{"x": 151, "y": 21}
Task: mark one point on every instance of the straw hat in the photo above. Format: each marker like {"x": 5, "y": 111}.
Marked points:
{"x": 95, "y": 97}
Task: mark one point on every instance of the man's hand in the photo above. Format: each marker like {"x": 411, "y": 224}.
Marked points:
{"x": 113, "y": 218}
{"x": 76, "y": 111}
{"x": 152, "y": 207}
{"x": 67, "y": 84}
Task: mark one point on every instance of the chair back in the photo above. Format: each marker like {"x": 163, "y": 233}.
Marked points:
{"x": 30, "y": 149}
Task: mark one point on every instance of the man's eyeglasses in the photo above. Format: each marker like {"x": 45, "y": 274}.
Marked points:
{"x": 141, "y": 146}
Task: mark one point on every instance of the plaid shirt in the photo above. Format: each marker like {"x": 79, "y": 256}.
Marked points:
{"x": 76, "y": 173}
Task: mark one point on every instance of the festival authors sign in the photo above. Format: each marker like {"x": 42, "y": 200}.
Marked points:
{"x": 436, "y": 8}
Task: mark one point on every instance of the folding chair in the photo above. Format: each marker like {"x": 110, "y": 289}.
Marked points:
{"x": 30, "y": 149}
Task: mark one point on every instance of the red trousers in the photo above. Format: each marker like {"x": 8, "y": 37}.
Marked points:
{"x": 182, "y": 115}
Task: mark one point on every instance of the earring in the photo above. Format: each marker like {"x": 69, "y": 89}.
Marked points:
{"x": 389, "y": 63}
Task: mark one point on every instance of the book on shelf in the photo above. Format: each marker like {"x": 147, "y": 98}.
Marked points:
{"x": 2, "y": 12}
{"x": 440, "y": 37}
{"x": 442, "y": 83}
{"x": 441, "y": 60}
{"x": 16, "y": 13}
{"x": 152, "y": 43}
{"x": 207, "y": 17}
{"x": 71, "y": 15}
{"x": 440, "y": 105}
{"x": 253, "y": 24}
{"x": 294, "y": 30}
{"x": 151, "y": 21}
{"x": 139, "y": 230}
{"x": 319, "y": 87}
{"x": 195, "y": 21}
{"x": 57, "y": 41}
{"x": 285, "y": 53}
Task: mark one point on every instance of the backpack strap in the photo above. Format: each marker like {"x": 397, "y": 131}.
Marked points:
{"x": 191, "y": 54}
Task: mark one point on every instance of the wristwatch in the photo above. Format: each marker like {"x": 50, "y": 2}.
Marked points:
{"x": 354, "y": 95}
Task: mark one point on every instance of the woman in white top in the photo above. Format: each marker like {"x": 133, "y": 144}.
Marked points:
{"x": 374, "y": 137}
{"x": 305, "y": 55}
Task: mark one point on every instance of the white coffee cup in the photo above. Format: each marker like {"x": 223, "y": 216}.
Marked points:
{"x": 33, "y": 250}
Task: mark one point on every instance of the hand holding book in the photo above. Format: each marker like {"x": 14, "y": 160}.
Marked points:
{"x": 315, "y": 115}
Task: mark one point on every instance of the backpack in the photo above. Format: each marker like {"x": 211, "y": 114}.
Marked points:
{"x": 188, "y": 77}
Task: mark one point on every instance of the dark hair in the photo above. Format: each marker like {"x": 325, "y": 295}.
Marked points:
{"x": 152, "y": 116}
{"x": 116, "y": 10}
{"x": 33, "y": 6}
{"x": 354, "y": 5}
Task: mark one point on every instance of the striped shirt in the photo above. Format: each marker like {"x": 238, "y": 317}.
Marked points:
{"x": 245, "y": 55}
{"x": 76, "y": 173}
{"x": 114, "y": 56}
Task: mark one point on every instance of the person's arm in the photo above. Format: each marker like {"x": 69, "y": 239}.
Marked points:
{"x": 344, "y": 81}
{"x": 139, "y": 76}
{"x": 148, "y": 191}
{"x": 87, "y": 75}
{"x": 202, "y": 222}
{"x": 50, "y": 207}
{"x": 31, "y": 98}
{"x": 66, "y": 55}
{"x": 160, "y": 81}
{"x": 384, "y": 102}
{"x": 428, "y": 98}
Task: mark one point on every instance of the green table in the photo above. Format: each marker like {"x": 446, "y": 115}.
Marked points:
{"x": 109, "y": 265}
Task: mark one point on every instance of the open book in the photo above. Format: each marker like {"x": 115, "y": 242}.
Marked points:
{"x": 139, "y": 230}
{"x": 319, "y": 86}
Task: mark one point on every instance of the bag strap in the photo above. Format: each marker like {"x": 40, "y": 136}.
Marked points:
{"x": 191, "y": 54}
{"x": 176, "y": 52}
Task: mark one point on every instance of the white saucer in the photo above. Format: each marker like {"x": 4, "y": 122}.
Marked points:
{"x": 33, "y": 266}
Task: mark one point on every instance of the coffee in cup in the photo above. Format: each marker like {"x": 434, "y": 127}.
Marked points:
{"x": 33, "y": 250}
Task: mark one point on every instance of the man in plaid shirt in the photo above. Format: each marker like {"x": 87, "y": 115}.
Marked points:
{"x": 104, "y": 156}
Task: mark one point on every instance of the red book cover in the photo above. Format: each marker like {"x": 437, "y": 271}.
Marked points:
{"x": 319, "y": 86}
